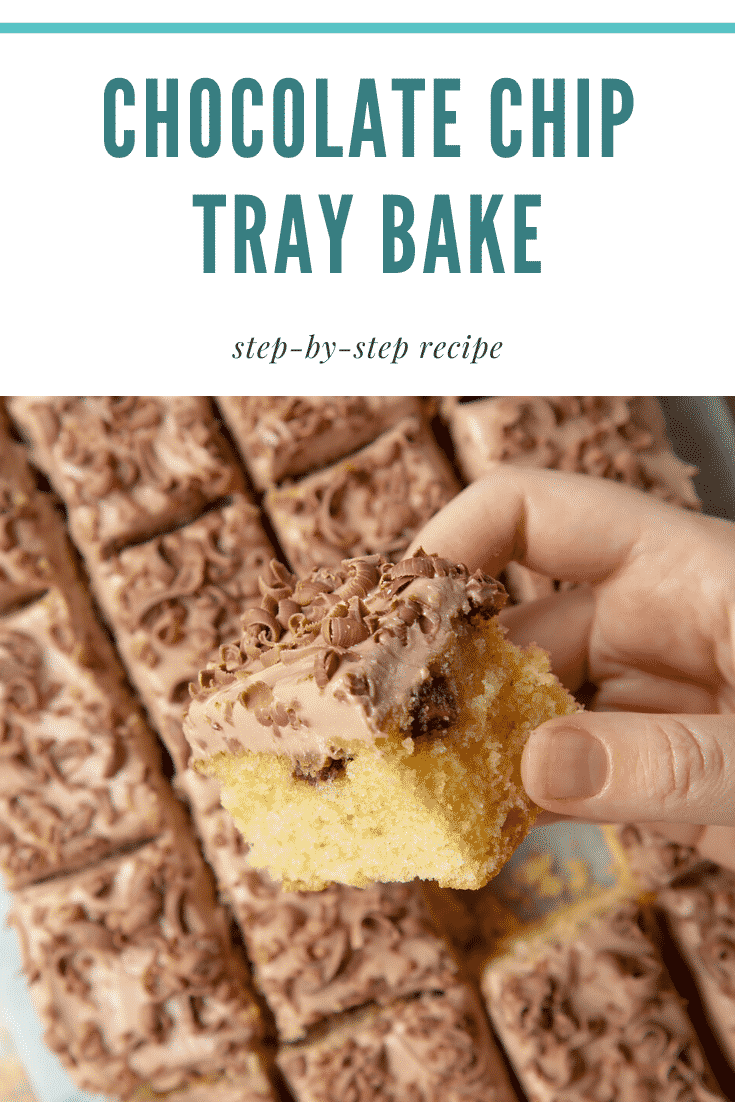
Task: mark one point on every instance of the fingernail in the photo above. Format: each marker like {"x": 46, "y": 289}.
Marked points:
{"x": 566, "y": 764}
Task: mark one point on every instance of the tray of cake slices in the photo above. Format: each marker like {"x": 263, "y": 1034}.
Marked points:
{"x": 142, "y": 956}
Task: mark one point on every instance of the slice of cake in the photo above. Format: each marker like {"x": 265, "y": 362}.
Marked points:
{"x": 700, "y": 913}
{"x": 79, "y": 768}
{"x": 595, "y": 1016}
{"x": 173, "y": 601}
{"x": 133, "y": 973}
{"x": 370, "y": 724}
{"x": 127, "y": 468}
{"x": 652, "y": 859}
{"x": 610, "y": 437}
{"x": 33, "y": 551}
{"x": 435, "y": 1048}
{"x": 286, "y": 437}
{"x": 376, "y": 500}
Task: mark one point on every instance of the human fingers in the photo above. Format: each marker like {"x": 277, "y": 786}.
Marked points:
{"x": 561, "y": 625}
{"x": 565, "y": 526}
{"x": 547, "y": 818}
{"x": 717, "y": 843}
{"x": 618, "y": 767}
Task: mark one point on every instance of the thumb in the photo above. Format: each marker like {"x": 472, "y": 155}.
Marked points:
{"x": 631, "y": 767}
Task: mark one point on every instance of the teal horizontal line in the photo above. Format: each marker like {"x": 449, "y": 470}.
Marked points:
{"x": 367, "y": 28}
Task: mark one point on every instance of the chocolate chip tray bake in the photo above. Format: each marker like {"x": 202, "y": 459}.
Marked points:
{"x": 162, "y": 962}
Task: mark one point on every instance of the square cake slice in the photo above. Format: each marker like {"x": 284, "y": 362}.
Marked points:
{"x": 33, "y": 549}
{"x": 653, "y": 860}
{"x": 79, "y": 769}
{"x": 435, "y": 1048}
{"x": 128, "y": 468}
{"x": 374, "y": 501}
{"x": 133, "y": 973}
{"x": 593, "y": 1015}
{"x": 370, "y": 724}
{"x": 315, "y": 954}
{"x": 610, "y": 437}
{"x": 700, "y": 913}
{"x": 173, "y": 601}
{"x": 286, "y": 437}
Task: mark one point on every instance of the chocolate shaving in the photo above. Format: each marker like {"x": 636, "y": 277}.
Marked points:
{"x": 326, "y": 665}
{"x": 433, "y": 709}
{"x": 311, "y": 774}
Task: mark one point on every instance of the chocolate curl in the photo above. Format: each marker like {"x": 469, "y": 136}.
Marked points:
{"x": 362, "y": 576}
{"x": 420, "y": 565}
{"x": 262, "y": 625}
{"x": 281, "y": 582}
{"x": 286, "y": 609}
{"x": 345, "y": 627}
{"x": 326, "y": 665}
{"x": 230, "y": 656}
{"x": 308, "y": 589}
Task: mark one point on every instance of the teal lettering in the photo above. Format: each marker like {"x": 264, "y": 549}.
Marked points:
{"x": 443, "y": 117}
{"x": 335, "y": 227}
{"x": 583, "y": 117}
{"x": 442, "y": 222}
{"x": 393, "y": 233}
{"x": 499, "y": 147}
{"x": 323, "y": 148}
{"x": 554, "y": 116}
{"x": 249, "y": 235}
{"x": 408, "y": 87}
{"x": 113, "y": 147}
{"x": 209, "y": 204}
{"x": 254, "y": 146}
{"x": 524, "y": 233}
{"x": 293, "y": 222}
{"x": 367, "y": 105}
{"x": 198, "y": 88}
{"x": 169, "y": 118}
{"x": 610, "y": 117}
{"x": 482, "y": 232}
{"x": 279, "y": 118}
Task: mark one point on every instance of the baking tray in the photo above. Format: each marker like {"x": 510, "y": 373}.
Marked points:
{"x": 533, "y": 883}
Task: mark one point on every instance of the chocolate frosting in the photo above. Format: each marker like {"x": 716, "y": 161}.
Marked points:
{"x": 286, "y": 437}
{"x": 596, "y": 1017}
{"x": 377, "y": 500}
{"x": 79, "y": 770}
{"x": 132, "y": 970}
{"x": 127, "y": 467}
{"x": 172, "y": 602}
{"x": 33, "y": 552}
{"x": 252, "y": 1086}
{"x": 700, "y": 912}
{"x": 654, "y": 860}
{"x": 315, "y": 954}
{"x": 434, "y": 1048}
{"x": 344, "y": 649}
{"x": 609, "y": 437}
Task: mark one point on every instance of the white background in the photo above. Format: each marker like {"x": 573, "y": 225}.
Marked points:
{"x": 102, "y": 258}
{"x": 519, "y": 11}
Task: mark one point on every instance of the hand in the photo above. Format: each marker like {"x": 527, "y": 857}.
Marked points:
{"x": 652, "y": 627}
